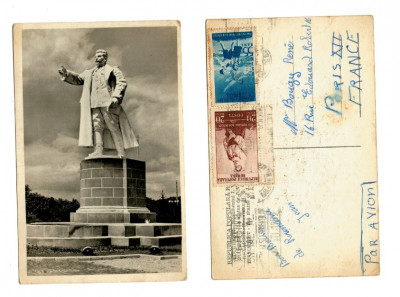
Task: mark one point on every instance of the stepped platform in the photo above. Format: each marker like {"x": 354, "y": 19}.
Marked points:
{"x": 79, "y": 235}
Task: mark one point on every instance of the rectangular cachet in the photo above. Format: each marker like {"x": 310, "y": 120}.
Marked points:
{"x": 233, "y": 67}
{"x": 236, "y": 146}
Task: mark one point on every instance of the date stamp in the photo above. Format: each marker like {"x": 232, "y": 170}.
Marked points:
{"x": 233, "y": 67}
{"x": 236, "y": 145}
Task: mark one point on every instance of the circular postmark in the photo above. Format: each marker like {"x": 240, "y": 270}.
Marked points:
{"x": 265, "y": 64}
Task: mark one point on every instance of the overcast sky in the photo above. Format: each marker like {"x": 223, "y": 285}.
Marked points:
{"x": 148, "y": 59}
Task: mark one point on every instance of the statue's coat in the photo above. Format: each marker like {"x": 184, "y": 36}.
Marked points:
{"x": 116, "y": 86}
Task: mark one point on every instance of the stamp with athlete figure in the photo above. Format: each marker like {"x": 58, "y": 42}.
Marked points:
{"x": 233, "y": 61}
{"x": 236, "y": 146}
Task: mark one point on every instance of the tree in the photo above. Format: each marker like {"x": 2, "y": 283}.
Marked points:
{"x": 47, "y": 209}
{"x": 168, "y": 210}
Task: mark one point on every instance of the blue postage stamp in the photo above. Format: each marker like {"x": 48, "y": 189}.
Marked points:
{"x": 233, "y": 59}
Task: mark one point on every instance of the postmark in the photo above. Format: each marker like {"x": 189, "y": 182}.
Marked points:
{"x": 233, "y": 67}
{"x": 236, "y": 145}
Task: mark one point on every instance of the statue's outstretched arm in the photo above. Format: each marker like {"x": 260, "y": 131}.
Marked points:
{"x": 71, "y": 77}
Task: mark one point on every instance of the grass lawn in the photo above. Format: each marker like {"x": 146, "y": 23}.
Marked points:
{"x": 40, "y": 251}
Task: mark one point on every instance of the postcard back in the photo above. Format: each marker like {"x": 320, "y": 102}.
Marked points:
{"x": 292, "y": 147}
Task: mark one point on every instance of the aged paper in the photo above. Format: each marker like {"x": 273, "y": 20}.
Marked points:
{"x": 120, "y": 216}
{"x": 292, "y": 146}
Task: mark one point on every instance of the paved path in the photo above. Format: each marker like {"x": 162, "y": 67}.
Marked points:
{"x": 103, "y": 265}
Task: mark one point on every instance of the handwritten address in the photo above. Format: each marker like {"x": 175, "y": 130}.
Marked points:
{"x": 345, "y": 50}
{"x": 301, "y": 76}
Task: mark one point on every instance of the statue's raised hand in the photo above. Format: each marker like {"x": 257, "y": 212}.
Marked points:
{"x": 62, "y": 71}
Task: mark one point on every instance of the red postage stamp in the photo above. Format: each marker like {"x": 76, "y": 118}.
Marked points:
{"x": 236, "y": 146}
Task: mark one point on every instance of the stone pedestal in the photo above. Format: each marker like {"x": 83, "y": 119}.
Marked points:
{"x": 113, "y": 190}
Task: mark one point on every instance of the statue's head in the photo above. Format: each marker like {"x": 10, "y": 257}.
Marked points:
{"x": 101, "y": 57}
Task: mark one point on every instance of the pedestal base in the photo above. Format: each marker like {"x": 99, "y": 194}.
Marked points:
{"x": 141, "y": 215}
{"x": 113, "y": 190}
